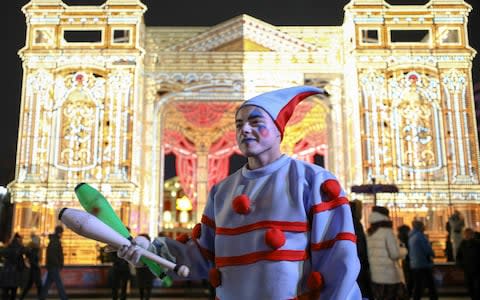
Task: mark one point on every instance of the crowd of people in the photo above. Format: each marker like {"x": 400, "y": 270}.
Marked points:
{"x": 394, "y": 266}
{"x": 20, "y": 270}
{"x": 21, "y": 266}
{"x": 399, "y": 266}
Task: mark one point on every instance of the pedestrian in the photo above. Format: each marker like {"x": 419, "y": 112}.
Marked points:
{"x": 421, "y": 262}
{"x": 448, "y": 244}
{"x": 402, "y": 233}
{"x": 144, "y": 278}
{"x": 468, "y": 259}
{"x": 54, "y": 264}
{"x": 11, "y": 273}
{"x": 384, "y": 255}
{"x": 33, "y": 258}
{"x": 364, "y": 278}
{"x": 120, "y": 276}
{"x": 457, "y": 224}
{"x": 278, "y": 228}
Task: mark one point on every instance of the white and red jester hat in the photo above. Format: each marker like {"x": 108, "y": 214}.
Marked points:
{"x": 280, "y": 104}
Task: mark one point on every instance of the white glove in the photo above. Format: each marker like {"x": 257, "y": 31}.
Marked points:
{"x": 133, "y": 252}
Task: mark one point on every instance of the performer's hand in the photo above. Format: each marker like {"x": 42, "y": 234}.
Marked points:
{"x": 133, "y": 252}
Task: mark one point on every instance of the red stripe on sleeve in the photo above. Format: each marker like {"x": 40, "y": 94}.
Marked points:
{"x": 209, "y": 222}
{"x": 207, "y": 254}
{"x": 324, "y": 206}
{"x": 342, "y": 236}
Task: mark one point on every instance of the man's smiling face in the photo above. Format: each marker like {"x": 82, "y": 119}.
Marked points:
{"x": 256, "y": 132}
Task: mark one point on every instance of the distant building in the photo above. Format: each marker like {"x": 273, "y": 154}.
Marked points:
{"x": 105, "y": 99}
{"x": 476, "y": 93}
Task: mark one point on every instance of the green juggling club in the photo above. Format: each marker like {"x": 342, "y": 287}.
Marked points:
{"x": 96, "y": 204}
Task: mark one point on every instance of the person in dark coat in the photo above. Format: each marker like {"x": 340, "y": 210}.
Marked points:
{"x": 54, "y": 264}
{"x": 144, "y": 278}
{"x": 364, "y": 280}
{"x": 469, "y": 260}
{"x": 403, "y": 232}
{"x": 120, "y": 276}
{"x": 421, "y": 262}
{"x": 11, "y": 275}
{"x": 32, "y": 252}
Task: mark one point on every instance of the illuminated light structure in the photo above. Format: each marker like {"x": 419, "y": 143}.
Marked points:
{"x": 409, "y": 69}
{"x": 80, "y": 114}
{"x": 105, "y": 98}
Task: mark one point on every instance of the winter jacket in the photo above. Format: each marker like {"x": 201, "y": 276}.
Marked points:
{"x": 468, "y": 257}
{"x": 54, "y": 252}
{"x": 421, "y": 252}
{"x": 11, "y": 273}
{"x": 384, "y": 253}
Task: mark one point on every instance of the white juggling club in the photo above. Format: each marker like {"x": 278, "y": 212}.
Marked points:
{"x": 87, "y": 225}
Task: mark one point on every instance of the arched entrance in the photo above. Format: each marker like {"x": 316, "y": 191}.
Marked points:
{"x": 199, "y": 131}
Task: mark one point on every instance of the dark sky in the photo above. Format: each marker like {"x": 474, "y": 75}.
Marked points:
{"x": 174, "y": 13}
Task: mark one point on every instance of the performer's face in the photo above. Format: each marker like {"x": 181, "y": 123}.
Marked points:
{"x": 256, "y": 132}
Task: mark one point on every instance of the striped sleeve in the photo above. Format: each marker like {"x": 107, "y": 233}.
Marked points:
{"x": 333, "y": 241}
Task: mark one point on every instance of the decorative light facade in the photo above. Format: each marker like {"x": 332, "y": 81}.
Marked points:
{"x": 105, "y": 98}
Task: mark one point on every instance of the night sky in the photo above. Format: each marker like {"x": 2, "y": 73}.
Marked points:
{"x": 175, "y": 13}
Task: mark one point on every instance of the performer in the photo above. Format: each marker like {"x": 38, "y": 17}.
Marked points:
{"x": 278, "y": 228}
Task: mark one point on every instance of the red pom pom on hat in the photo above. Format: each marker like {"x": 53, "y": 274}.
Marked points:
{"x": 215, "y": 277}
{"x": 241, "y": 204}
{"x": 315, "y": 281}
{"x": 274, "y": 238}
{"x": 331, "y": 188}
{"x": 197, "y": 231}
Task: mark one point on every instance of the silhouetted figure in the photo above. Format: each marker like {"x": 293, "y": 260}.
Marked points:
{"x": 11, "y": 274}
{"x": 34, "y": 276}
{"x": 457, "y": 223}
{"x": 54, "y": 264}
{"x": 120, "y": 276}
{"x": 403, "y": 232}
{"x": 448, "y": 244}
{"x": 363, "y": 279}
{"x": 144, "y": 279}
{"x": 421, "y": 262}
{"x": 468, "y": 258}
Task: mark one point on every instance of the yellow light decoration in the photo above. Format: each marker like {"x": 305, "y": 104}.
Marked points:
{"x": 184, "y": 204}
{"x": 167, "y": 216}
{"x": 183, "y": 218}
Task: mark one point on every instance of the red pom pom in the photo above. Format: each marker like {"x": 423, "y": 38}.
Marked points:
{"x": 331, "y": 188}
{"x": 315, "y": 281}
{"x": 197, "y": 231}
{"x": 241, "y": 204}
{"x": 214, "y": 277}
{"x": 183, "y": 238}
{"x": 274, "y": 238}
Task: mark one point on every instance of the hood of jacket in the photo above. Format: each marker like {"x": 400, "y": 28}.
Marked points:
{"x": 376, "y": 217}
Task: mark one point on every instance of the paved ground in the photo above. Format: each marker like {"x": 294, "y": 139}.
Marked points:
{"x": 197, "y": 292}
